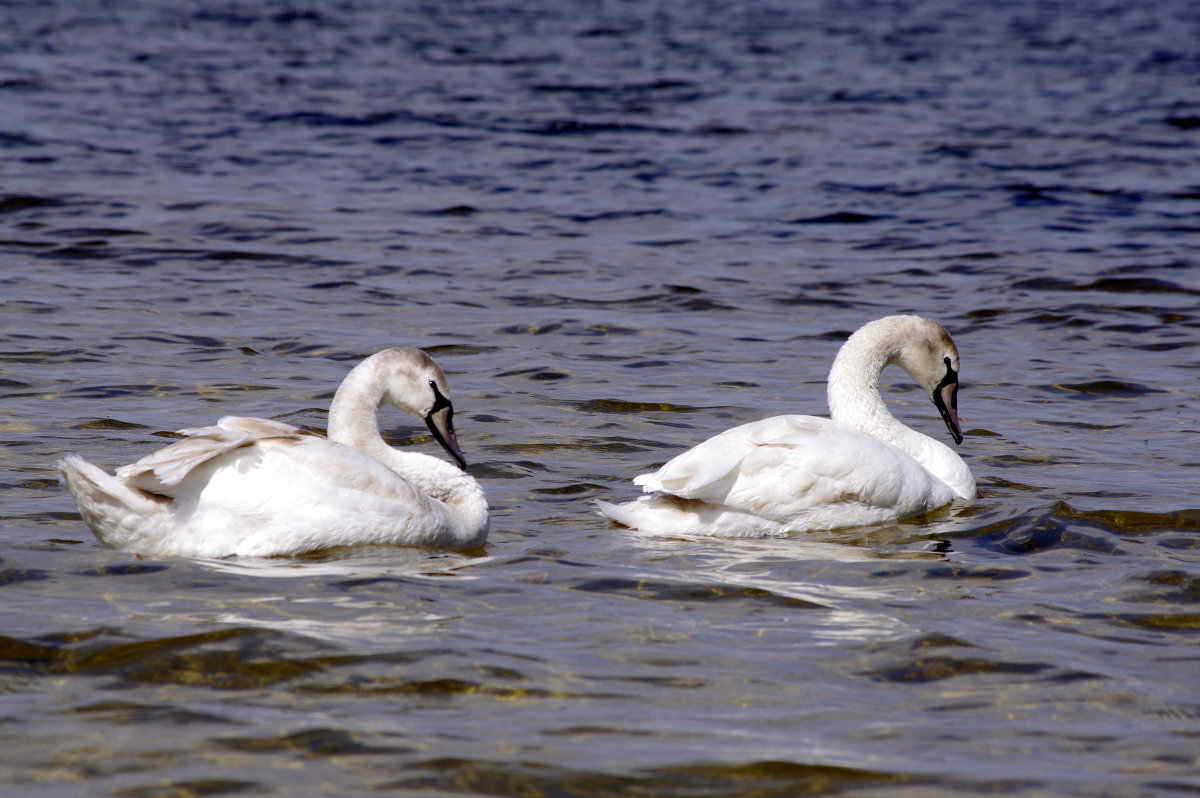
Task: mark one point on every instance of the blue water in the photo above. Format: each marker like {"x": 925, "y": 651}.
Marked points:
{"x": 620, "y": 227}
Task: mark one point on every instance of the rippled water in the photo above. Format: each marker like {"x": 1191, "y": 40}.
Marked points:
{"x": 620, "y": 227}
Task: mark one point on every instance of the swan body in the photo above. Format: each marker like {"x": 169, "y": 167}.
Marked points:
{"x": 258, "y": 487}
{"x": 805, "y": 473}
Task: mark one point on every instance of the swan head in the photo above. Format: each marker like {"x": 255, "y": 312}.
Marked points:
{"x": 928, "y": 354}
{"x": 414, "y": 382}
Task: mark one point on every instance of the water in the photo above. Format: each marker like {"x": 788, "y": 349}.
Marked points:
{"x": 620, "y": 227}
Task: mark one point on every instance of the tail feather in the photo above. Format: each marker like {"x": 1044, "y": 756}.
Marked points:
{"x": 122, "y": 517}
{"x": 664, "y": 514}
{"x": 618, "y": 513}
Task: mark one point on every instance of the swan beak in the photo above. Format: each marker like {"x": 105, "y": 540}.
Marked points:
{"x": 441, "y": 424}
{"x": 945, "y": 398}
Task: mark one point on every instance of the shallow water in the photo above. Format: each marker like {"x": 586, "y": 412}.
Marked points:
{"x": 620, "y": 228}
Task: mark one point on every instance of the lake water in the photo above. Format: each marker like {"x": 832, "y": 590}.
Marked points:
{"x": 621, "y": 227}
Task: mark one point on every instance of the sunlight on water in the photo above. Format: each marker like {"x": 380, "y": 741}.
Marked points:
{"x": 619, "y": 232}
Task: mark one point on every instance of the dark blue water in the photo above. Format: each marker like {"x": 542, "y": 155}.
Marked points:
{"x": 620, "y": 227}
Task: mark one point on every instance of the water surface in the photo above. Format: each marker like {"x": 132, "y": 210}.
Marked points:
{"x": 620, "y": 228}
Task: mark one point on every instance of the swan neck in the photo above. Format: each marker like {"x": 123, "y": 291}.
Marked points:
{"x": 854, "y": 401}
{"x": 853, "y": 387}
{"x": 352, "y": 414}
{"x": 353, "y": 421}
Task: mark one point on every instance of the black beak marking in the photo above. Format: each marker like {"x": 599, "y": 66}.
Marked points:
{"x": 440, "y": 421}
{"x": 945, "y": 398}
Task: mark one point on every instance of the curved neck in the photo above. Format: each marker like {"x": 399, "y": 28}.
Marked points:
{"x": 352, "y": 413}
{"x": 854, "y": 401}
{"x": 853, "y": 388}
{"x": 353, "y": 422}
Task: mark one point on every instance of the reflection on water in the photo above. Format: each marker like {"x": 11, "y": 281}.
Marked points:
{"x": 620, "y": 230}
{"x": 758, "y": 570}
{"x": 361, "y": 563}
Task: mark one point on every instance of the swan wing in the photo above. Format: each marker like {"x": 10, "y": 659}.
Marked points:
{"x": 161, "y": 472}
{"x": 708, "y": 470}
{"x": 783, "y": 468}
{"x": 257, "y": 479}
{"x": 334, "y": 466}
{"x": 253, "y": 463}
{"x": 296, "y": 495}
{"x": 279, "y": 492}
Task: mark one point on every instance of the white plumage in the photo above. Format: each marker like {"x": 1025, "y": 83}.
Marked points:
{"x": 803, "y": 473}
{"x": 257, "y": 487}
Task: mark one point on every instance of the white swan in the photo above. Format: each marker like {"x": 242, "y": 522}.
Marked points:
{"x": 803, "y": 473}
{"x": 256, "y": 487}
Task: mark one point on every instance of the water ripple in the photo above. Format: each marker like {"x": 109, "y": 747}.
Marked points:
{"x": 620, "y": 232}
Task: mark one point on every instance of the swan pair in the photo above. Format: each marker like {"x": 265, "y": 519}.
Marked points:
{"x": 256, "y": 487}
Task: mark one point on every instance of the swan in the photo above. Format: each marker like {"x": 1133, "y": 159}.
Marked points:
{"x": 254, "y": 487}
{"x": 806, "y": 473}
